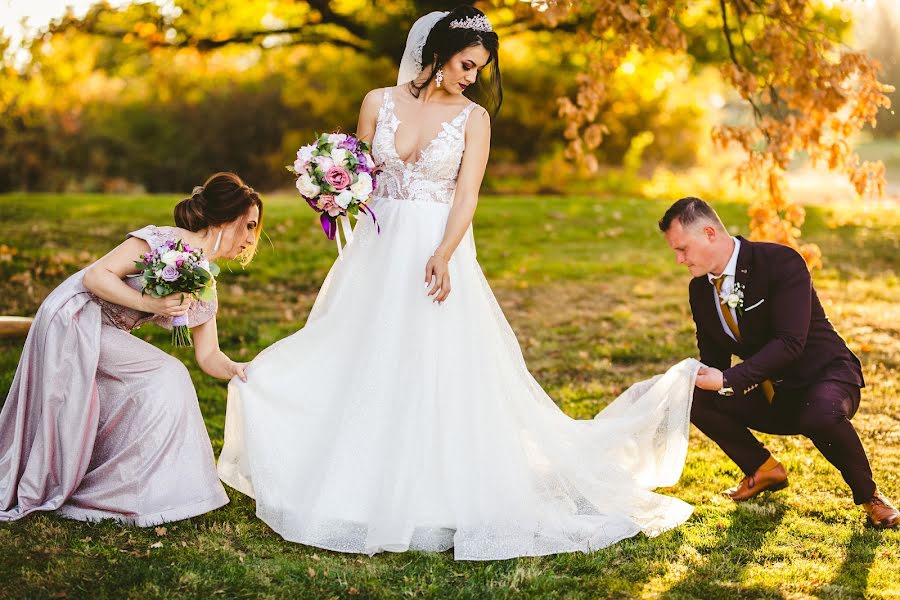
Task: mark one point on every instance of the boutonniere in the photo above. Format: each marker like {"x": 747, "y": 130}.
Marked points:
{"x": 734, "y": 297}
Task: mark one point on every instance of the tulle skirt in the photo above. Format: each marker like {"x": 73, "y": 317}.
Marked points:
{"x": 391, "y": 423}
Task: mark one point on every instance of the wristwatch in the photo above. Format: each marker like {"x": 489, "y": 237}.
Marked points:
{"x": 725, "y": 390}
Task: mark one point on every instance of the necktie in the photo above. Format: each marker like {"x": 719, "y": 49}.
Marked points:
{"x": 767, "y": 388}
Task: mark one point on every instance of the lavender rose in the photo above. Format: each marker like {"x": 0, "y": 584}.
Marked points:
{"x": 338, "y": 177}
{"x": 170, "y": 273}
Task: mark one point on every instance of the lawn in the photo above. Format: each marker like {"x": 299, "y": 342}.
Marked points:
{"x": 593, "y": 293}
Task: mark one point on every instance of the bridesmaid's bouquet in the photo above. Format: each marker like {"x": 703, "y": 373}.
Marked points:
{"x": 176, "y": 267}
{"x": 336, "y": 175}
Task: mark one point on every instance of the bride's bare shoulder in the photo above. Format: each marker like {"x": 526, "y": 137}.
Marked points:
{"x": 479, "y": 116}
{"x": 376, "y": 95}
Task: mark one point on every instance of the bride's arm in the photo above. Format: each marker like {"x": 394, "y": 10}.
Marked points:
{"x": 368, "y": 115}
{"x": 209, "y": 357}
{"x": 471, "y": 172}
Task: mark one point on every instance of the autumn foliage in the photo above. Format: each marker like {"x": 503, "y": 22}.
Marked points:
{"x": 806, "y": 91}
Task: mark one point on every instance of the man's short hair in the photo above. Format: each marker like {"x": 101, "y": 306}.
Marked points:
{"x": 688, "y": 211}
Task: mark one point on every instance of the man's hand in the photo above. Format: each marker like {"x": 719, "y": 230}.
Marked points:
{"x": 709, "y": 378}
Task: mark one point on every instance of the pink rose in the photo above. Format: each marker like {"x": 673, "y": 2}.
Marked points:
{"x": 338, "y": 177}
{"x": 325, "y": 202}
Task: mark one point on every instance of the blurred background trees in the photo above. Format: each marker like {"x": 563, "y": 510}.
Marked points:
{"x": 155, "y": 95}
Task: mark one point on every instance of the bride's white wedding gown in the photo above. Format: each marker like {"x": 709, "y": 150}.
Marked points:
{"x": 390, "y": 422}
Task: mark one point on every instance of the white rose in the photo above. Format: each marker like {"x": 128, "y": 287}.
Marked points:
{"x": 307, "y": 187}
{"x": 363, "y": 186}
{"x": 336, "y": 138}
{"x": 305, "y": 153}
{"x": 343, "y": 199}
{"x": 169, "y": 257}
{"x": 340, "y": 157}
{"x": 324, "y": 162}
{"x": 733, "y": 300}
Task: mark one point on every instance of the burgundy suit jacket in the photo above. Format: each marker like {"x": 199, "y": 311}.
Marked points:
{"x": 785, "y": 335}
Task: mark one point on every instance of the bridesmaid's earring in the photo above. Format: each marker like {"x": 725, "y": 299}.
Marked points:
{"x": 439, "y": 78}
{"x": 218, "y": 241}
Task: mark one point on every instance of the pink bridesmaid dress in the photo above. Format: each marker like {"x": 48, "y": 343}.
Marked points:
{"x": 100, "y": 424}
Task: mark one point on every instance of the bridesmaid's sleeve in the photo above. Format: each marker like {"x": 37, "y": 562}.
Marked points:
{"x": 150, "y": 234}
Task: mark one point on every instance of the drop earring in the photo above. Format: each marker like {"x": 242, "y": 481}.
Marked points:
{"x": 439, "y": 78}
{"x": 218, "y": 241}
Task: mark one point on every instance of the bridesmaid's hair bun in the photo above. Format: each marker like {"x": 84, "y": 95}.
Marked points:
{"x": 224, "y": 198}
{"x": 190, "y": 213}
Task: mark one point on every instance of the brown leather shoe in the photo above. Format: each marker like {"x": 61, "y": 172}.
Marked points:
{"x": 770, "y": 476}
{"x": 882, "y": 513}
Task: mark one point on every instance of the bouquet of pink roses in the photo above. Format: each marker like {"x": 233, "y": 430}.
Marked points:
{"x": 176, "y": 267}
{"x": 336, "y": 175}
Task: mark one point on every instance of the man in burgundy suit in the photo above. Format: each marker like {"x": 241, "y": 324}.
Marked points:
{"x": 756, "y": 300}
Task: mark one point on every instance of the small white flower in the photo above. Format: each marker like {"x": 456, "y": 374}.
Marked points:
{"x": 344, "y": 198}
{"x": 733, "y": 297}
{"x": 307, "y": 187}
{"x": 336, "y": 138}
{"x": 169, "y": 257}
{"x": 363, "y": 186}
{"x": 203, "y": 264}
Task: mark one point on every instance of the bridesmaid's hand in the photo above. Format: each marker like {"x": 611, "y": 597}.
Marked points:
{"x": 237, "y": 369}
{"x": 173, "y": 305}
{"x": 437, "y": 270}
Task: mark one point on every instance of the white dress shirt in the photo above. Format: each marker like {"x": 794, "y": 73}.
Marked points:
{"x": 727, "y": 286}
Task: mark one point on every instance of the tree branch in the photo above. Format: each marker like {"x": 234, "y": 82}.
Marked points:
{"x": 329, "y": 16}
{"x": 757, "y": 113}
{"x": 203, "y": 44}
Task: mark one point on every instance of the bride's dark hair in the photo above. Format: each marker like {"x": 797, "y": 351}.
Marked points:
{"x": 444, "y": 41}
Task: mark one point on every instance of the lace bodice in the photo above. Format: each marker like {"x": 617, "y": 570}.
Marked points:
{"x": 127, "y": 318}
{"x": 431, "y": 178}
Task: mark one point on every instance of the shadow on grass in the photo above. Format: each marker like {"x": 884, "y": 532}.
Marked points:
{"x": 853, "y": 575}
{"x": 720, "y": 575}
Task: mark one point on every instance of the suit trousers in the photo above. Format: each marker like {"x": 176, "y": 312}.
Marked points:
{"x": 821, "y": 412}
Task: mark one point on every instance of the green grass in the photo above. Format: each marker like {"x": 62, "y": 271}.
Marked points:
{"x": 597, "y": 303}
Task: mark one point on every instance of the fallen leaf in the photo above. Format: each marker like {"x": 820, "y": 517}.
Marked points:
{"x": 311, "y": 572}
{"x": 157, "y": 545}
{"x": 161, "y": 531}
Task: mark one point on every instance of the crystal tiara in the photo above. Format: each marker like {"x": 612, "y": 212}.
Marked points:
{"x": 479, "y": 23}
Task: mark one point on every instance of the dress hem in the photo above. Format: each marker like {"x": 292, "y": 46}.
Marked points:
{"x": 174, "y": 514}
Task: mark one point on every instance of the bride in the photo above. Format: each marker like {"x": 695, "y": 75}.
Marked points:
{"x": 402, "y": 416}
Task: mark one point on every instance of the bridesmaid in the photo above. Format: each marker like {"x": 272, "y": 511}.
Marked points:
{"x": 100, "y": 424}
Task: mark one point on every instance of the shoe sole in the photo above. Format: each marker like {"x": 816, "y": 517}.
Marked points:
{"x": 772, "y": 488}
{"x": 884, "y": 524}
